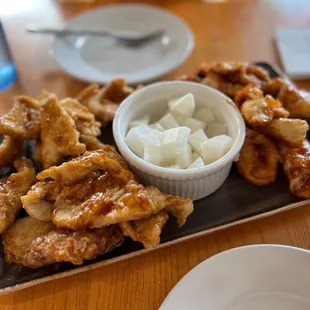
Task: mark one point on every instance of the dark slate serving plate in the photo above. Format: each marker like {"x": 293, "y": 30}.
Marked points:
{"x": 236, "y": 201}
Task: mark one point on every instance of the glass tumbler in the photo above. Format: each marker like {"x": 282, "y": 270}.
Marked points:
{"x": 7, "y": 66}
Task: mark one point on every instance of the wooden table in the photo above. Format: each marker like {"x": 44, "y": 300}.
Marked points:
{"x": 235, "y": 30}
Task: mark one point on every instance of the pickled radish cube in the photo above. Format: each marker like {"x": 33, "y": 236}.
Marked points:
{"x": 193, "y": 124}
{"x": 144, "y": 120}
{"x": 153, "y": 151}
{"x": 184, "y": 105}
{"x": 168, "y": 122}
{"x": 198, "y": 163}
{"x": 216, "y": 129}
{"x": 194, "y": 156}
{"x": 178, "y": 117}
{"x": 175, "y": 142}
{"x": 204, "y": 114}
{"x": 173, "y": 167}
{"x": 184, "y": 160}
{"x": 157, "y": 126}
{"x": 196, "y": 139}
{"x": 135, "y": 138}
{"x": 171, "y": 102}
{"x": 215, "y": 148}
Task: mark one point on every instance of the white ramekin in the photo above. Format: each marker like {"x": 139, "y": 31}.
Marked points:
{"x": 152, "y": 100}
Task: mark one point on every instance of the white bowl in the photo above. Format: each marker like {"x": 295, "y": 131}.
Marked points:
{"x": 152, "y": 100}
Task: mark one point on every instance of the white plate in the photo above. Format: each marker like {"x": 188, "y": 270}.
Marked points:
{"x": 259, "y": 277}
{"x": 101, "y": 59}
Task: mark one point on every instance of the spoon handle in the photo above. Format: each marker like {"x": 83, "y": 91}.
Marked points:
{"x": 66, "y": 32}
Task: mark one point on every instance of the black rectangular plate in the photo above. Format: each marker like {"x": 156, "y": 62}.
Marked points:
{"x": 234, "y": 201}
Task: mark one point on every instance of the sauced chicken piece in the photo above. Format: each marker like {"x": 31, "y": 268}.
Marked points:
{"x": 59, "y": 136}
{"x": 105, "y": 201}
{"x": 258, "y": 160}
{"x": 105, "y": 159}
{"x": 146, "y": 231}
{"x": 180, "y": 208}
{"x": 9, "y": 149}
{"x": 105, "y": 102}
{"x": 12, "y": 188}
{"x": 92, "y": 143}
{"x": 84, "y": 120}
{"x": 291, "y": 132}
{"x": 261, "y": 111}
{"x": 17, "y": 239}
{"x": 231, "y": 77}
{"x": 22, "y": 121}
{"x": 35, "y": 243}
{"x": 222, "y": 84}
{"x": 39, "y": 201}
{"x": 295, "y": 101}
{"x": 296, "y": 164}
{"x": 248, "y": 93}
{"x": 63, "y": 245}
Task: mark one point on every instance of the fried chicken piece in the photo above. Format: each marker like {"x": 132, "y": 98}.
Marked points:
{"x": 296, "y": 165}
{"x": 105, "y": 159}
{"x": 39, "y": 200}
{"x": 17, "y": 239}
{"x": 22, "y": 121}
{"x": 295, "y": 101}
{"x": 91, "y": 98}
{"x": 231, "y": 77}
{"x": 84, "y": 120}
{"x": 261, "y": 111}
{"x": 105, "y": 102}
{"x": 220, "y": 83}
{"x": 59, "y": 137}
{"x": 63, "y": 245}
{"x": 181, "y": 209}
{"x": 248, "y": 93}
{"x": 116, "y": 91}
{"x": 35, "y": 243}
{"x": 12, "y": 188}
{"x": 146, "y": 231}
{"x": 291, "y": 132}
{"x": 92, "y": 143}
{"x": 258, "y": 159}
{"x": 103, "y": 202}
{"x": 9, "y": 149}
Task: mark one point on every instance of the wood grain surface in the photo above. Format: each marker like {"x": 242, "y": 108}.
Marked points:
{"x": 230, "y": 30}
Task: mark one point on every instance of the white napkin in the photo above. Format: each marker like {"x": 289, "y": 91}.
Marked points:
{"x": 294, "y": 49}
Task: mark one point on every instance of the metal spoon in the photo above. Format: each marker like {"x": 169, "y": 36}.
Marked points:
{"x": 126, "y": 39}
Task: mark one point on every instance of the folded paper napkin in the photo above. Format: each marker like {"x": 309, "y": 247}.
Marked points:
{"x": 294, "y": 50}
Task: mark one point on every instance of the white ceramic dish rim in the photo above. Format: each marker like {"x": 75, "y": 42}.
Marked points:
{"x": 169, "y": 68}
{"x": 225, "y": 253}
{"x": 206, "y": 170}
